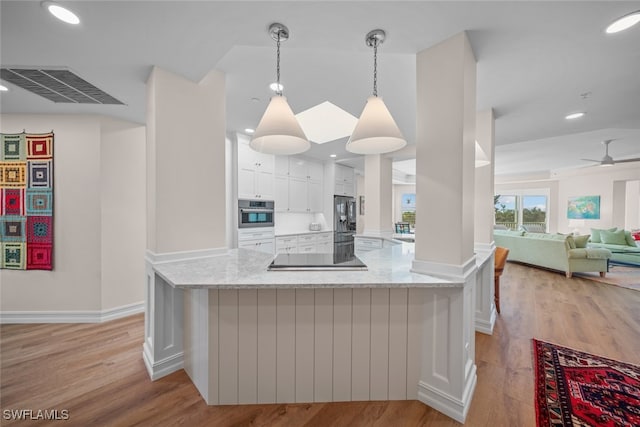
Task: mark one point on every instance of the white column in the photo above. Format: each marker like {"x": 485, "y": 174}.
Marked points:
{"x": 445, "y": 173}
{"x": 378, "y": 189}
{"x": 485, "y": 311}
{"x": 186, "y": 209}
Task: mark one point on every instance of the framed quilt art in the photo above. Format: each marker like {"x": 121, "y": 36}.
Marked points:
{"x": 26, "y": 201}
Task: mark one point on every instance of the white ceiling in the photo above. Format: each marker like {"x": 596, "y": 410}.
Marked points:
{"x": 534, "y": 59}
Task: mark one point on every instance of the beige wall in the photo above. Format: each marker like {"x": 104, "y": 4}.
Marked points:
{"x": 90, "y": 199}
{"x": 186, "y": 162}
{"x": 123, "y": 215}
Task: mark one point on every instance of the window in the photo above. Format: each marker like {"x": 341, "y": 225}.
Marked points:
{"x": 505, "y": 211}
{"x": 521, "y": 211}
{"x": 408, "y": 208}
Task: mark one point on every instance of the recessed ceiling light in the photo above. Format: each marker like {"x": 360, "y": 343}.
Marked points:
{"x": 3, "y": 88}
{"x": 63, "y": 14}
{"x": 574, "y": 116}
{"x": 333, "y": 156}
{"x": 624, "y": 22}
{"x": 249, "y": 130}
{"x": 276, "y": 87}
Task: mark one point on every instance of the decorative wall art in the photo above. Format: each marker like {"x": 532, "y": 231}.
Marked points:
{"x": 26, "y": 201}
{"x": 584, "y": 207}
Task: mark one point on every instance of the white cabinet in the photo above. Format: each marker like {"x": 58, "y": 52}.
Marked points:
{"x": 315, "y": 171}
{"x": 281, "y": 193}
{"x": 314, "y": 196}
{"x": 324, "y": 243}
{"x": 345, "y": 181}
{"x": 298, "y": 195}
{"x": 363, "y": 244}
{"x": 298, "y": 185}
{"x": 324, "y": 248}
{"x": 305, "y": 243}
{"x": 307, "y": 249}
{"x": 258, "y": 245}
{"x": 287, "y": 245}
{"x": 255, "y": 173}
{"x": 259, "y": 239}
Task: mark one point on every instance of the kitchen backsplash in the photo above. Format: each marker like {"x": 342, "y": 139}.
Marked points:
{"x": 287, "y": 223}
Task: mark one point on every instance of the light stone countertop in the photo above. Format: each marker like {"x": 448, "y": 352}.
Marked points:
{"x": 298, "y": 233}
{"x": 247, "y": 269}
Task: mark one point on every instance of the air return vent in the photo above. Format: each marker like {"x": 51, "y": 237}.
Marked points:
{"x": 57, "y": 85}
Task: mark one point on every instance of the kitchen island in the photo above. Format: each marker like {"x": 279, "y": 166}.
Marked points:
{"x": 247, "y": 335}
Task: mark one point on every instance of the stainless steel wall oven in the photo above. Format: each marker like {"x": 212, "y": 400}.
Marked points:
{"x": 255, "y": 213}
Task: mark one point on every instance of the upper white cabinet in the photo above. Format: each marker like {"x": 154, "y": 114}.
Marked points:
{"x": 255, "y": 173}
{"x": 298, "y": 185}
{"x": 345, "y": 181}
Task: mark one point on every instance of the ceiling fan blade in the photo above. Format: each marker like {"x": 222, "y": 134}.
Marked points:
{"x": 591, "y": 160}
{"x": 637, "y": 159}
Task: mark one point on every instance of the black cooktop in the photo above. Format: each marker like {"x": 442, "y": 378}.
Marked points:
{"x": 322, "y": 261}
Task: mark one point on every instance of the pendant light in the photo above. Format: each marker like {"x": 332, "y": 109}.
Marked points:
{"x": 376, "y": 131}
{"x": 279, "y": 131}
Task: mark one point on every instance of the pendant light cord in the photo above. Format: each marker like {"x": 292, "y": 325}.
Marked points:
{"x": 375, "y": 67}
{"x": 278, "y": 90}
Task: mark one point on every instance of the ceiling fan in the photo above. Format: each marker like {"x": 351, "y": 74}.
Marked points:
{"x": 607, "y": 160}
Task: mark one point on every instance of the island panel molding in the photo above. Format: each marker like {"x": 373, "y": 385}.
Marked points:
{"x": 249, "y": 335}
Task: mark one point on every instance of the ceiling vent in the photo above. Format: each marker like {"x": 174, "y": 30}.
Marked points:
{"x": 57, "y": 85}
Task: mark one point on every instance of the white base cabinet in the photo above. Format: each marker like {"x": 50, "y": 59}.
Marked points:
{"x": 305, "y": 243}
{"x": 258, "y": 239}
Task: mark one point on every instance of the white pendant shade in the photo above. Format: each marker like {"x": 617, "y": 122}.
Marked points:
{"x": 481, "y": 157}
{"x": 279, "y": 131}
{"x": 376, "y": 131}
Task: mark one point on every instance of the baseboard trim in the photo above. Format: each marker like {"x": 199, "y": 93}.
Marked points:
{"x": 97, "y": 316}
{"x": 450, "y": 406}
{"x": 486, "y": 327}
{"x": 163, "y": 367}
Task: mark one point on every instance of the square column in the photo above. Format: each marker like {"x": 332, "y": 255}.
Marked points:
{"x": 445, "y": 175}
{"x": 378, "y": 189}
{"x": 186, "y": 209}
{"x": 485, "y": 316}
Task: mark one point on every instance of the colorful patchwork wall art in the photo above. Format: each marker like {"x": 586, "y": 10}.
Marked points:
{"x": 26, "y": 201}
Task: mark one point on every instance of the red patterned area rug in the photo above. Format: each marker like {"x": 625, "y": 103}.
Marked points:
{"x": 579, "y": 389}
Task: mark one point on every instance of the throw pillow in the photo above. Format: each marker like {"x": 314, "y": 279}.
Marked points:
{"x": 613, "y": 237}
{"x": 581, "y": 241}
{"x": 570, "y": 241}
{"x": 595, "y": 234}
{"x": 630, "y": 240}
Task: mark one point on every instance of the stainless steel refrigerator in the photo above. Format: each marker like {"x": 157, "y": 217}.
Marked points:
{"x": 344, "y": 225}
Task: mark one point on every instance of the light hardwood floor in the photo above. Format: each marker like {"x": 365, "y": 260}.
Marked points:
{"x": 96, "y": 373}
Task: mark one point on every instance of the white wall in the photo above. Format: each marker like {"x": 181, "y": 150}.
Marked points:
{"x": 89, "y": 202}
{"x": 591, "y": 181}
{"x": 595, "y": 181}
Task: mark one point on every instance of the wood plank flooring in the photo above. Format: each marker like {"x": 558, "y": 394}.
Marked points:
{"x": 96, "y": 373}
